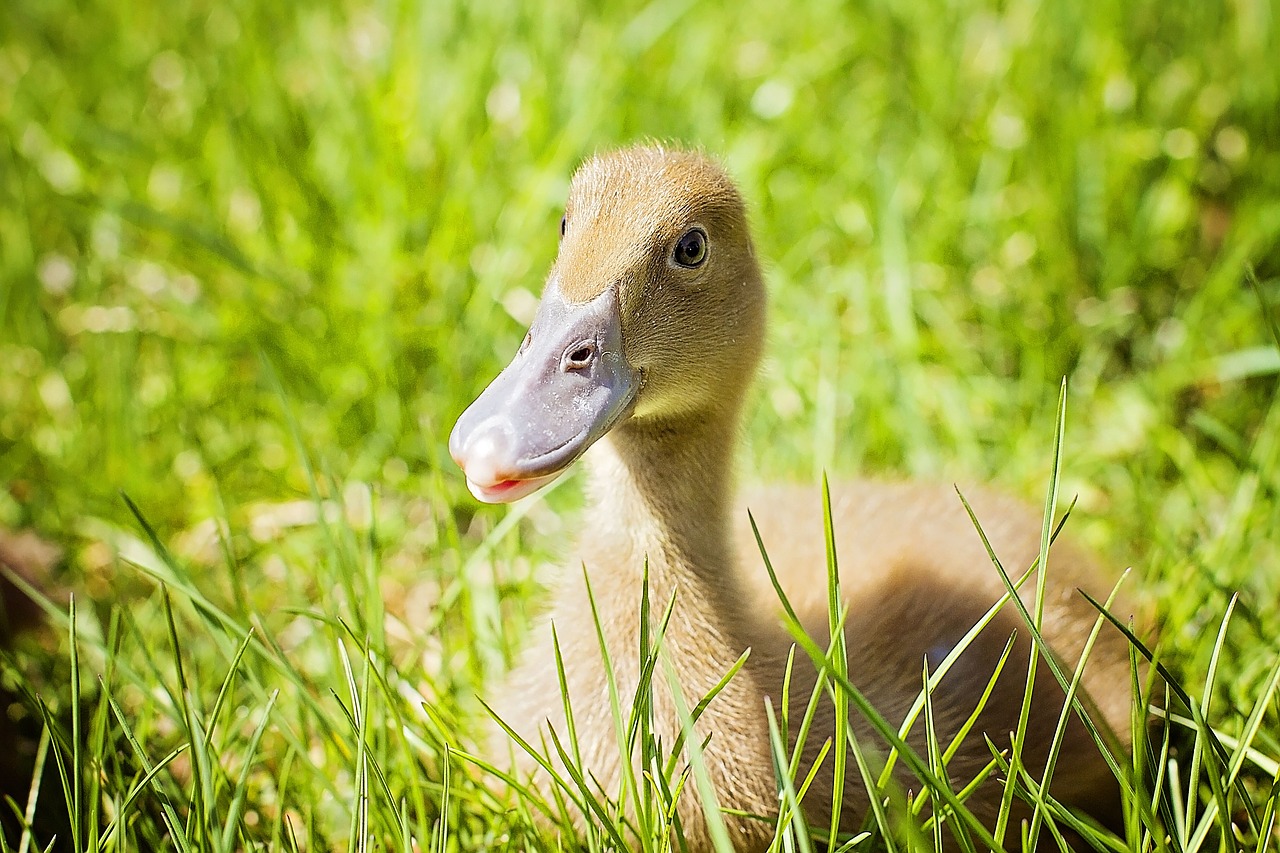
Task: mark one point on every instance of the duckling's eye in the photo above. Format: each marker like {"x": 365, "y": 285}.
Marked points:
{"x": 528, "y": 339}
{"x": 691, "y": 249}
{"x": 564, "y": 225}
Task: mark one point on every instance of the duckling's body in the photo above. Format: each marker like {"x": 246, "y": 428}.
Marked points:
{"x": 916, "y": 577}
{"x": 648, "y": 337}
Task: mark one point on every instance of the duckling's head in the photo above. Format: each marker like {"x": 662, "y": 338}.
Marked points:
{"x": 653, "y": 311}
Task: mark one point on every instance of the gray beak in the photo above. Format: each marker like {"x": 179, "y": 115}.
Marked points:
{"x": 568, "y": 386}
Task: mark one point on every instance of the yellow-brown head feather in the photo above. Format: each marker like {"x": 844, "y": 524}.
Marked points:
{"x": 696, "y": 333}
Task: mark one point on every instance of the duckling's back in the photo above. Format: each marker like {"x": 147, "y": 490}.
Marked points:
{"x": 916, "y": 577}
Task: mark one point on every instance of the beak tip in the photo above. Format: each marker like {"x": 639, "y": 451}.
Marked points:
{"x": 455, "y": 446}
{"x": 483, "y": 452}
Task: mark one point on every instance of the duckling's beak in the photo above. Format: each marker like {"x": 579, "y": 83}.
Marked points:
{"x": 567, "y": 386}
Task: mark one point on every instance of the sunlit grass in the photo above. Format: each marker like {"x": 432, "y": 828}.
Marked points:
{"x": 255, "y": 258}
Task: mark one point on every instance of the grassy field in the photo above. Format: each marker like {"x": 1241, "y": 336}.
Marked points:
{"x": 255, "y": 258}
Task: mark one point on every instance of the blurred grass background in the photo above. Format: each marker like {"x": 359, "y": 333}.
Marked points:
{"x": 255, "y": 258}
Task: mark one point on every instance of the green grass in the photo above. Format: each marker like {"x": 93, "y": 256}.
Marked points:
{"x": 255, "y": 258}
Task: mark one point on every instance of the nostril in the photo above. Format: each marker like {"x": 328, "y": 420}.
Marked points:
{"x": 580, "y": 356}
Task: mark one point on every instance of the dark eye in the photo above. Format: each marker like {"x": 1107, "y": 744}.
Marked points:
{"x": 691, "y": 249}
{"x": 564, "y": 225}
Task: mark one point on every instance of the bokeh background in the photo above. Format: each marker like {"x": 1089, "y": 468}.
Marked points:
{"x": 256, "y": 257}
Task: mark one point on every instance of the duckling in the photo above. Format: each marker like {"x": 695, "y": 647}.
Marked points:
{"x": 648, "y": 335}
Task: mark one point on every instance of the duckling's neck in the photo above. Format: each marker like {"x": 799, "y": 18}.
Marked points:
{"x": 660, "y": 495}
{"x": 661, "y": 490}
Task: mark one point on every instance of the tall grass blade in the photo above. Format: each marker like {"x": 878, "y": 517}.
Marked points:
{"x": 629, "y": 790}
{"x": 694, "y": 749}
{"x": 889, "y": 734}
{"x": 1042, "y": 561}
{"x": 76, "y": 805}
{"x": 1206, "y": 698}
{"x": 1203, "y": 730}
{"x": 225, "y": 690}
{"x": 838, "y": 659}
{"x": 177, "y": 829}
{"x": 33, "y": 792}
{"x": 791, "y": 823}
{"x": 241, "y": 790}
